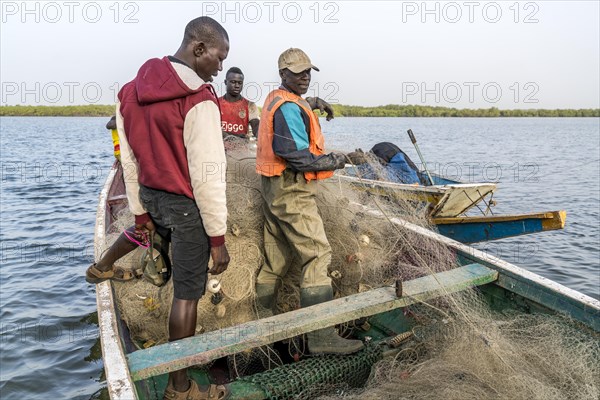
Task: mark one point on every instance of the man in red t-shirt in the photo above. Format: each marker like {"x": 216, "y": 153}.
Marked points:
{"x": 236, "y": 111}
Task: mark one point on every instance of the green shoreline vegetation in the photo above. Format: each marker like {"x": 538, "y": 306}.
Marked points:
{"x": 393, "y": 110}
{"x": 339, "y": 109}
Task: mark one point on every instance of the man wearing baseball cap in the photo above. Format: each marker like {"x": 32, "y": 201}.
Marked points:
{"x": 291, "y": 158}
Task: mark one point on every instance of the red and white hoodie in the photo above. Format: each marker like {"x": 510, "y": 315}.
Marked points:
{"x": 169, "y": 126}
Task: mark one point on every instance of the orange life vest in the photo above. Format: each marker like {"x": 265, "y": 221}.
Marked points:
{"x": 267, "y": 162}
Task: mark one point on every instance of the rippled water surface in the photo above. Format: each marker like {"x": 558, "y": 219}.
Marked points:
{"x": 53, "y": 170}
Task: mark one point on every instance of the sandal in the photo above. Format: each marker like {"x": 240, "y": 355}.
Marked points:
{"x": 213, "y": 392}
{"x": 94, "y": 275}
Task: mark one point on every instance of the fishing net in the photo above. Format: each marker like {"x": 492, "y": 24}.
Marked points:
{"x": 368, "y": 252}
{"x": 459, "y": 348}
{"x": 487, "y": 355}
{"x": 250, "y": 362}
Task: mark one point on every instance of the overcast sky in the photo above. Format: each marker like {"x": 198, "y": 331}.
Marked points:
{"x": 466, "y": 54}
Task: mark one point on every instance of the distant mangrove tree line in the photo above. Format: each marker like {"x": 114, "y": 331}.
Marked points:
{"x": 58, "y": 111}
{"x": 341, "y": 110}
{"x": 393, "y": 110}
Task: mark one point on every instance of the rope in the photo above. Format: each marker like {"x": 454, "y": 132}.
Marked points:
{"x": 433, "y": 274}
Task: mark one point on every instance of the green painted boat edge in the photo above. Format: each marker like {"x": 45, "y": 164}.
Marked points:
{"x": 529, "y": 285}
{"x": 210, "y": 346}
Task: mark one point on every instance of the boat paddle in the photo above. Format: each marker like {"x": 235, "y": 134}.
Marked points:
{"x": 413, "y": 139}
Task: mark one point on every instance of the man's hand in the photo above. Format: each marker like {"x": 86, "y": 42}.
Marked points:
{"x": 357, "y": 157}
{"x": 339, "y": 159}
{"x": 143, "y": 232}
{"x": 147, "y": 226}
{"x": 317, "y": 103}
{"x": 220, "y": 258}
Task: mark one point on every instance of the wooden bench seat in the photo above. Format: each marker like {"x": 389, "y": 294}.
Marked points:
{"x": 210, "y": 346}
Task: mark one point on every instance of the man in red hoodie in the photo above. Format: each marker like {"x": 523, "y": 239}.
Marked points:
{"x": 174, "y": 165}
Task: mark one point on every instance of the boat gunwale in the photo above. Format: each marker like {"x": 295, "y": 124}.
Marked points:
{"x": 436, "y": 189}
{"x": 509, "y": 270}
{"x": 440, "y": 194}
{"x": 120, "y": 385}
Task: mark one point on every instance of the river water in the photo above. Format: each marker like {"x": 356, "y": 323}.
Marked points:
{"x": 53, "y": 170}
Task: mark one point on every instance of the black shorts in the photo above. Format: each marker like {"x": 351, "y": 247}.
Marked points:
{"x": 177, "y": 219}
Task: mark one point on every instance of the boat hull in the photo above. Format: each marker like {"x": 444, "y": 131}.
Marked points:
{"x": 473, "y": 229}
{"x": 443, "y": 200}
{"x": 143, "y": 373}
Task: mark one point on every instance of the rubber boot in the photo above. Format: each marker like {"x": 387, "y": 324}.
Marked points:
{"x": 266, "y": 295}
{"x": 326, "y": 341}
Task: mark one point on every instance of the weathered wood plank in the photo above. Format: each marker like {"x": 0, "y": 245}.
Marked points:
{"x": 119, "y": 382}
{"x": 558, "y": 218}
{"x": 212, "y": 345}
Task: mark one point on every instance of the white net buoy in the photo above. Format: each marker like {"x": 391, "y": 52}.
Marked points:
{"x": 213, "y": 286}
{"x": 364, "y": 240}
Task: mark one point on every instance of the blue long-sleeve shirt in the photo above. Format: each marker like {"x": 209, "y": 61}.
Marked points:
{"x": 291, "y": 128}
{"x": 397, "y": 170}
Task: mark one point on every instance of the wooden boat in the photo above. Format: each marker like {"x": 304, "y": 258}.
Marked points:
{"x": 448, "y": 201}
{"x": 445, "y": 198}
{"x": 482, "y": 228}
{"x": 141, "y": 374}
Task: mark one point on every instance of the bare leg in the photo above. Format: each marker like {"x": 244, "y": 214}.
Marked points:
{"x": 182, "y": 324}
{"x": 121, "y": 247}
